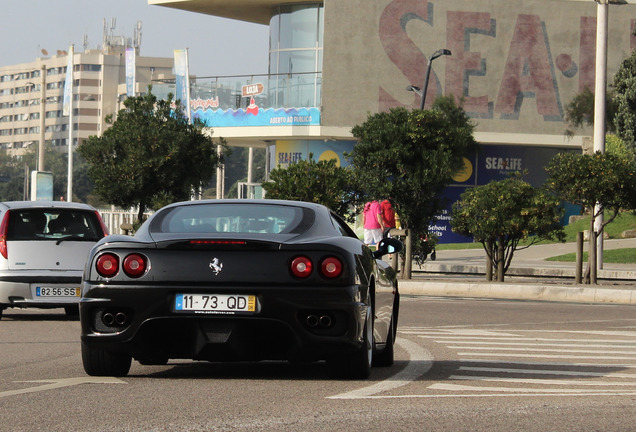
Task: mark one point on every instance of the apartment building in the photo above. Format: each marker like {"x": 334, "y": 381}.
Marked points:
{"x": 32, "y": 95}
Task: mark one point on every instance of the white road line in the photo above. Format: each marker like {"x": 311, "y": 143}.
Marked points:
{"x": 445, "y": 338}
{"x": 503, "y": 395}
{"x": 533, "y": 349}
{"x": 552, "y": 356}
{"x": 59, "y": 383}
{"x": 534, "y": 344}
{"x": 549, "y": 364}
{"x": 545, "y": 372}
{"x": 420, "y": 363}
{"x": 541, "y": 381}
{"x": 457, "y": 387}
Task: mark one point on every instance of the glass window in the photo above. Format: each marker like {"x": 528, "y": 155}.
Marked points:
{"x": 233, "y": 218}
{"x": 298, "y": 26}
{"x": 54, "y": 224}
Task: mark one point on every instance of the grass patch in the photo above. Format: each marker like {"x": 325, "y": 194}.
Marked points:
{"x": 616, "y": 256}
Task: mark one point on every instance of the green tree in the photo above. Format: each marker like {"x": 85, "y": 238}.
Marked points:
{"x": 602, "y": 183}
{"x": 150, "y": 156}
{"x": 503, "y": 213}
{"x": 580, "y": 111}
{"x": 14, "y": 168}
{"x": 410, "y": 156}
{"x": 321, "y": 182}
{"x": 625, "y": 99}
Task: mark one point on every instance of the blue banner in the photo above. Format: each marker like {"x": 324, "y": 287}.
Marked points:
{"x": 130, "y": 72}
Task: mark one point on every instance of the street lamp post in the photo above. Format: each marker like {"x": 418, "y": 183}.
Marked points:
{"x": 422, "y": 93}
{"x": 600, "y": 89}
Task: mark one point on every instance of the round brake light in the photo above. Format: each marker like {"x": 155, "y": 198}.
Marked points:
{"x": 107, "y": 265}
{"x": 134, "y": 265}
{"x": 331, "y": 267}
{"x": 301, "y": 267}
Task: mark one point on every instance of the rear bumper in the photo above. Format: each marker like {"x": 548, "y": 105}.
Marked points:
{"x": 283, "y": 326}
{"x": 21, "y": 290}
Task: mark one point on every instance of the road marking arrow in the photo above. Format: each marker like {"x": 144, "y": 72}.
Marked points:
{"x": 62, "y": 382}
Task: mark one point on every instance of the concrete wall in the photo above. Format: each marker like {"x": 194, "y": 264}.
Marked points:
{"x": 517, "y": 63}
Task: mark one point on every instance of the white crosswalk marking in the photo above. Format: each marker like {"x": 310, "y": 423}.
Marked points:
{"x": 535, "y": 361}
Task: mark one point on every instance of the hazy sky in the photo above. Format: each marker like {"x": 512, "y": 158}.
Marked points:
{"x": 217, "y": 46}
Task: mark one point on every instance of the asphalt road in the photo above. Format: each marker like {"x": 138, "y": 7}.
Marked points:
{"x": 461, "y": 365}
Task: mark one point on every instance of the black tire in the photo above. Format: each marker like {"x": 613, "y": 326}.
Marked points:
{"x": 72, "y": 312}
{"x": 386, "y": 357}
{"x": 357, "y": 365}
{"x": 152, "y": 361}
{"x": 105, "y": 363}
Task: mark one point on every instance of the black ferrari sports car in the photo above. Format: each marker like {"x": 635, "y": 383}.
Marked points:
{"x": 239, "y": 280}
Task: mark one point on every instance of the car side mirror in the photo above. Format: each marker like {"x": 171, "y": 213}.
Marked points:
{"x": 388, "y": 246}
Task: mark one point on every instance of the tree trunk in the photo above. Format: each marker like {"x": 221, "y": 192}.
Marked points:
{"x": 500, "y": 261}
{"x": 489, "y": 258}
{"x": 591, "y": 262}
{"x": 408, "y": 262}
{"x": 579, "y": 258}
{"x": 140, "y": 213}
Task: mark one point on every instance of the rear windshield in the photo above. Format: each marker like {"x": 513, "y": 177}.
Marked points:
{"x": 53, "y": 224}
{"x": 233, "y": 218}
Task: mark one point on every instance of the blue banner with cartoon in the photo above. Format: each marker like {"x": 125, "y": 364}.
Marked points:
{"x": 256, "y": 116}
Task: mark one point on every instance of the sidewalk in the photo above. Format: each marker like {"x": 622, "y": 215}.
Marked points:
{"x": 461, "y": 273}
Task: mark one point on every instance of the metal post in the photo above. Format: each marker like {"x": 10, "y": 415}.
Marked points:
{"x": 435, "y": 55}
{"x": 425, "y": 89}
{"x": 600, "y": 87}
{"x": 42, "y": 117}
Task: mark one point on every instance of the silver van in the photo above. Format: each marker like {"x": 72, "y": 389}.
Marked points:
{"x": 43, "y": 248}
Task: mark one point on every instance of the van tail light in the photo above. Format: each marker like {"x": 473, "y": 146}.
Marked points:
{"x": 102, "y": 224}
{"x": 301, "y": 267}
{"x": 4, "y": 227}
{"x": 107, "y": 265}
{"x": 331, "y": 267}
{"x": 134, "y": 265}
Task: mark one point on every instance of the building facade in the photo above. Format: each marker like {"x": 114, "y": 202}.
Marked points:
{"x": 98, "y": 77}
{"x": 515, "y": 64}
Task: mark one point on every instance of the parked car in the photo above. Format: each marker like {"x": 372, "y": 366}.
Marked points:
{"x": 43, "y": 250}
{"x": 239, "y": 280}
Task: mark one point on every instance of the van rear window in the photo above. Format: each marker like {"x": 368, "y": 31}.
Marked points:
{"x": 53, "y": 224}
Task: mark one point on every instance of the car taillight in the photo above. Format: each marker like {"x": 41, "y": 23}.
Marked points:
{"x": 107, "y": 265}
{"x": 4, "y": 226}
{"x": 331, "y": 267}
{"x": 134, "y": 265}
{"x": 102, "y": 224}
{"x": 301, "y": 267}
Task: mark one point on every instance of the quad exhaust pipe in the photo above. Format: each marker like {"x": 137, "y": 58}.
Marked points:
{"x": 112, "y": 319}
{"x": 319, "y": 321}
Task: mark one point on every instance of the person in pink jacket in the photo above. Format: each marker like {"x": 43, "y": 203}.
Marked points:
{"x": 372, "y": 222}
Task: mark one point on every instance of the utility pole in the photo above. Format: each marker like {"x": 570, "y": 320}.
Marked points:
{"x": 42, "y": 118}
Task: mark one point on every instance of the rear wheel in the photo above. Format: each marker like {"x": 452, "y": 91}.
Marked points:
{"x": 105, "y": 363}
{"x": 385, "y": 357}
{"x": 357, "y": 365}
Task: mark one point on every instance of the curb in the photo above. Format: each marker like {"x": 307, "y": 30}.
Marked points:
{"x": 554, "y": 272}
{"x": 523, "y": 291}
